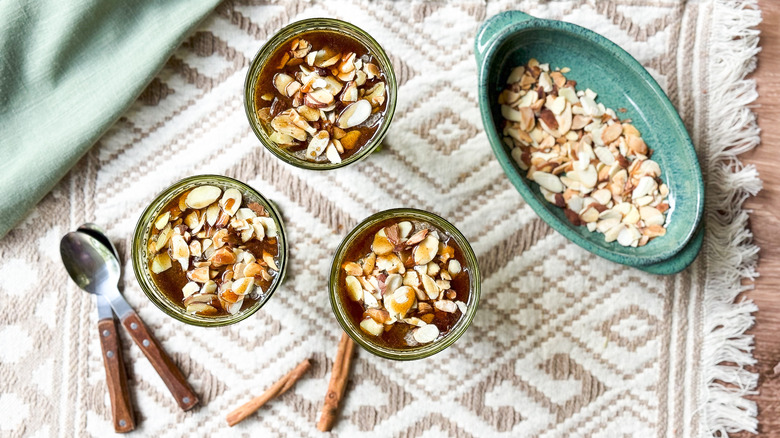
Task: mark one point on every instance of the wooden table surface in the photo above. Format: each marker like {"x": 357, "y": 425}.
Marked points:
{"x": 765, "y": 223}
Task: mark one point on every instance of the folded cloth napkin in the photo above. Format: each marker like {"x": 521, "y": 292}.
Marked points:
{"x": 68, "y": 70}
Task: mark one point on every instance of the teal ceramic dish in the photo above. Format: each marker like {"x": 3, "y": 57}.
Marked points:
{"x": 511, "y": 38}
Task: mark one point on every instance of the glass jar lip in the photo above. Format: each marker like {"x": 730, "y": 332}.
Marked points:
{"x": 285, "y": 34}
{"x": 426, "y": 350}
{"x": 140, "y": 258}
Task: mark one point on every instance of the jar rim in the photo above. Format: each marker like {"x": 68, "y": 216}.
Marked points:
{"x": 140, "y": 244}
{"x": 286, "y": 34}
{"x": 426, "y": 350}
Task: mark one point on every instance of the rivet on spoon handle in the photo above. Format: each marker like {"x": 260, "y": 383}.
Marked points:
{"x": 168, "y": 371}
{"x": 116, "y": 378}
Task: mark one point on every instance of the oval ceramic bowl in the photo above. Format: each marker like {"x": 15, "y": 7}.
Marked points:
{"x": 511, "y": 39}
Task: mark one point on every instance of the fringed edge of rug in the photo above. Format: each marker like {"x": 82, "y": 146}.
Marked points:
{"x": 731, "y": 255}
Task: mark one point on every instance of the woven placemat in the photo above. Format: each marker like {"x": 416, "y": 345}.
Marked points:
{"x": 564, "y": 343}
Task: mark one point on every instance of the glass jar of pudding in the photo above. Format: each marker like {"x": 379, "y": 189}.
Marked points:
{"x": 404, "y": 284}
{"x": 210, "y": 250}
{"x": 320, "y": 94}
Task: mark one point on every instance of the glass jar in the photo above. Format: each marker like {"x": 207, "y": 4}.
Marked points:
{"x": 368, "y": 342}
{"x": 286, "y": 35}
{"x": 141, "y": 258}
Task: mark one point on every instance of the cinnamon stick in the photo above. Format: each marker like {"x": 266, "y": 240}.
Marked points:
{"x": 338, "y": 381}
{"x": 275, "y": 390}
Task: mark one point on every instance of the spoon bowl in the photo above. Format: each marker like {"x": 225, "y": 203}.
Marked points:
{"x": 89, "y": 262}
{"x": 99, "y": 234}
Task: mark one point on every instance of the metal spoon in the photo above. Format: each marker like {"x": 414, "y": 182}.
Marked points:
{"x": 94, "y": 268}
{"x": 100, "y": 235}
{"x": 116, "y": 377}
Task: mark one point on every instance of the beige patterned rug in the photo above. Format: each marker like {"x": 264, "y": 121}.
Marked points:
{"x": 564, "y": 343}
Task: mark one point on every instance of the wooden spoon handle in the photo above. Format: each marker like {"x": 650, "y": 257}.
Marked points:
{"x": 116, "y": 378}
{"x": 165, "y": 367}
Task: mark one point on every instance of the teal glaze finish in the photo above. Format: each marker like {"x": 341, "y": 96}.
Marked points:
{"x": 509, "y": 39}
{"x": 681, "y": 260}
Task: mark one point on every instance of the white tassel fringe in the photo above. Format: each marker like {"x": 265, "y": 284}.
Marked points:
{"x": 731, "y": 256}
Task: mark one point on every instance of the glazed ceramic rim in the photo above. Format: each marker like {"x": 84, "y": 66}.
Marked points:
{"x": 285, "y": 35}
{"x": 364, "y": 340}
{"x": 140, "y": 246}
{"x": 489, "y": 52}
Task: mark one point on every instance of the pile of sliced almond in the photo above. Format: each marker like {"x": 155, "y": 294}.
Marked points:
{"x": 326, "y": 102}
{"x": 405, "y": 279}
{"x": 584, "y": 158}
{"x": 207, "y": 233}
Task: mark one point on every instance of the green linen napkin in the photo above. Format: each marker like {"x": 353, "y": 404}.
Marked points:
{"x": 68, "y": 70}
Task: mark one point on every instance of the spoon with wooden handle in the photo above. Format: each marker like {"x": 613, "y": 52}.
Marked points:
{"x": 94, "y": 268}
{"x": 116, "y": 377}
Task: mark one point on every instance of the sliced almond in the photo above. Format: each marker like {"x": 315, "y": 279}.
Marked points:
{"x": 404, "y": 228}
{"x": 372, "y": 327}
{"x": 400, "y": 301}
{"x": 223, "y": 256}
{"x": 650, "y": 168}
{"x": 271, "y": 230}
{"x": 162, "y": 221}
{"x": 202, "y": 196}
{"x": 393, "y": 282}
{"x": 426, "y": 250}
{"x": 320, "y": 98}
{"x": 231, "y": 201}
{"x": 390, "y": 263}
{"x": 376, "y": 94}
{"x": 354, "y": 289}
{"x": 426, "y": 334}
{"x": 199, "y": 275}
{"x": 654, "y": 231}
{"x": 281, "y": 81}
{"x": 252, "y": 270}
{"x": 284, "y": 124}
{"x": 379, "y": 315}
{"x": 350, "y": 93}
{"x": 417, "y": 237}
{"x": 646, "y": 186}
{"x": 381, "y": 244}
{"x": 243, "y": 286}
{"x": 268, "y": 258}
{"x": 369, "y": 300}
{"x": 368, "y": 263}
{"x": 548, "y": 181}
{"x": 318, "y": 144}
{"x": 516, "y": 75}
{"x": 332, "y": 154}
{"x": 589, "y": 215}
{"x": 189, "y": 289}
{"x": 353, "y": 268}
{"x": 651, "y": 216}
{"x": 446, "y": 306}
{"x": 201, "y": 309}
{"x": 354, "y": 114}
{"x": 612, "y": 132}
{"x": 161, "y": 263}
{"x": 179, "y": 247}
{"x": 430, "y": 287}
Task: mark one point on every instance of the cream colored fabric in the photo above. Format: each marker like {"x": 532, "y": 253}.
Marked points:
{"x": 564, "y": 343}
